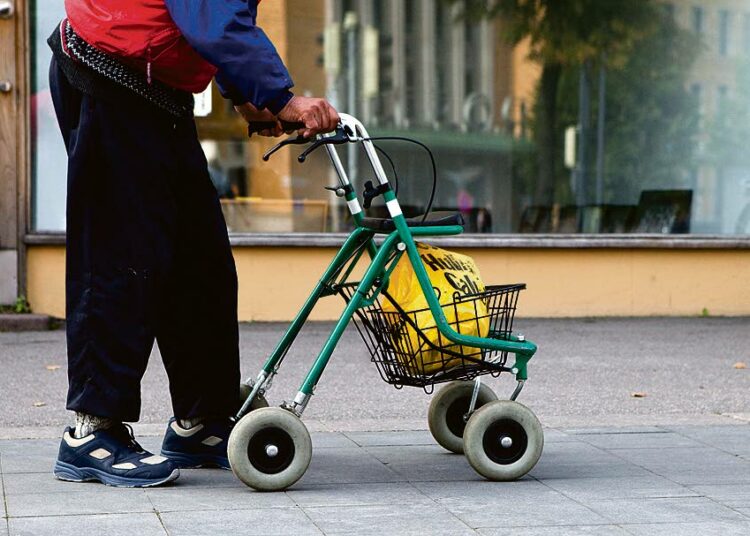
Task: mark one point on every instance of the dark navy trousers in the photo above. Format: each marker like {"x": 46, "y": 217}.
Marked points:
{"x": 148, "y": 258}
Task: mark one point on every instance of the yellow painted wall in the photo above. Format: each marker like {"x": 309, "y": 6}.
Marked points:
{"x": 603, "y": 282}
{"x": 45, "y": 283}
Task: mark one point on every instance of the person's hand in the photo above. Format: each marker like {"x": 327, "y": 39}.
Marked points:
{"x": 317, "y": 115}
{"x": 252, "y": 115}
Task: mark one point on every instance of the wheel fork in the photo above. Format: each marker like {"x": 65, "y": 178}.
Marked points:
{"x": 475, "y": 395}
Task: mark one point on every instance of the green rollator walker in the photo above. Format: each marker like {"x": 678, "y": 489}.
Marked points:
{"x": 270, "y": 447}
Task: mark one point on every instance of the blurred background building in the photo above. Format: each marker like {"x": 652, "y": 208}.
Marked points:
{"x": 606, "y": 167}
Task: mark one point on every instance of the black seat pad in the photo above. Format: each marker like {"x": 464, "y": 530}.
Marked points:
{"x": 434, "y": 219}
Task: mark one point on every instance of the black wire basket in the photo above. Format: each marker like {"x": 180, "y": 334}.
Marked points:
{"x": 408, "y": 349}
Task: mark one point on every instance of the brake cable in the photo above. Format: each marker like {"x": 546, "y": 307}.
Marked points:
{"x": 393, "y": 166}
{"x": 432, "y": 161}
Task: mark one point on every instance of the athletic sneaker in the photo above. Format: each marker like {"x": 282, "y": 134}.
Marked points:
{"x": 111, "y": 456}
{"x": 203, "y": 445}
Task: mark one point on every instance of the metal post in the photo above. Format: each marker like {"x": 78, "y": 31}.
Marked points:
{"x": 456, "y": 65}
{"x": 600, "y": 123}
{"x": 428, "y": 63}
{"x": 332, "y": 62}
{"x": 584, "y": 114}
{"x": 352, "y": 83}
{"x": 397, "y": 23}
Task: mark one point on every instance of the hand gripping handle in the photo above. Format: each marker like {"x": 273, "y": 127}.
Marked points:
{"x": 255, "y": 127}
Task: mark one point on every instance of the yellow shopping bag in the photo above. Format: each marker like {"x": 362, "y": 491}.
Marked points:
{"x": 452, "y": 275}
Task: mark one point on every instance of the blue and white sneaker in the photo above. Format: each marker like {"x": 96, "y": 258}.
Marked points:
{"x": 113, "y": 457}
{"x": 203, "y": 445}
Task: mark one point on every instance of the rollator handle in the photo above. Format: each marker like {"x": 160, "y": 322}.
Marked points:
{"x": 288, "y": 126}
{"x": 340, "y": 136}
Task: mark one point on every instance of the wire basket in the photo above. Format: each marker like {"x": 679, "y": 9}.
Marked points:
{"x": 408, "y": 349}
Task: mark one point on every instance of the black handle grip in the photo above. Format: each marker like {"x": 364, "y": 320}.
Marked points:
{"x": 288, "y": 126}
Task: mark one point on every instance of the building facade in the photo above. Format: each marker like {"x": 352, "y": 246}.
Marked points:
{"x": 417, "y": 69}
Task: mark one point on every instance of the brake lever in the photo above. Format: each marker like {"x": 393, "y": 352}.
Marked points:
{"x": 341, "y": 136}
{"x": 299, "y": 140}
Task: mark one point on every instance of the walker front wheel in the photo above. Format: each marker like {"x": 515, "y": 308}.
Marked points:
{"x": 448, "y": 409}
{"x": 503, "y": 440}
{"x": 269, "y": 449}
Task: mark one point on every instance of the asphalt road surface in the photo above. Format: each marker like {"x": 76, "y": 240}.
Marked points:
{"x": 585, "y": 373}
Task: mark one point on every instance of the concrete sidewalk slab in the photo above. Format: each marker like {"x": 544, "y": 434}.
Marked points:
{"x": 391, "y": 439}
{"x": 727, "y": 439}
{"x": 524, "y": 513}
{"x": 648, "y": 440}
{"x": 733, "y": 495}
{"x": 664, "y": 510}
{"x": 28, "y": 456}
{"x": 374, "y": 493}
{"x": 711, "y": 528}
{"x": 631, "y": 487}
{"x": 144, "y": 524}
{"x": 183, "y": 497}
{"x": 394, "y": 483}
{"x": 691, "y": 466}
{"x": 420, "y": 463}
{"x": 347, "y": 466}
{"x": 376, "y": 520}
{"x": 576, "y": 530}
{"x": 276, "y": 521}
{"x": 77, "y": 503}
{"x": 3, "y": 508}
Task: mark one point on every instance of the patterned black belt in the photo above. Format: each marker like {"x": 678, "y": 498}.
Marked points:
{"x": 174, "y": 101}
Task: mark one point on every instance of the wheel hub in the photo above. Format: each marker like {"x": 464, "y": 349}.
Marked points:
{"x": 271, "y": 450}
{"x": 505, "y": 441}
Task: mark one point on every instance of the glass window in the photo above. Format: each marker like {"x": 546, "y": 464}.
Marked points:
{"x": 662, "y": 148}
{"x": 48, "y": 158}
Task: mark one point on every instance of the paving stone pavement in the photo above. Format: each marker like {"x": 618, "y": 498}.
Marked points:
{"x": 651, "y": 480}
{"x": 676, "y": 462}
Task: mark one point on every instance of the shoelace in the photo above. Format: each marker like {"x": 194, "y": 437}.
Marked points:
{"x": 125, "y": 431}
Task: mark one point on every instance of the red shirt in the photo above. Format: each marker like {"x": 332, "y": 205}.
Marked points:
{"x": 143, "y": 35}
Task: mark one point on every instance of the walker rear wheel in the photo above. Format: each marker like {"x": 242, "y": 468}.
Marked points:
{"x": 447, "y": 411}
{"x": 269, "y": 449}
{"x": 503, "y": 440}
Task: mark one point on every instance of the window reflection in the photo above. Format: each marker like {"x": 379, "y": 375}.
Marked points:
{"x": 659, "y": 147}
{"x": 48, "y": 158}
{"x": 650, "y": 118}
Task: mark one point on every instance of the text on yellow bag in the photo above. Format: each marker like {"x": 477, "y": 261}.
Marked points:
{"x": 452, "y": 276}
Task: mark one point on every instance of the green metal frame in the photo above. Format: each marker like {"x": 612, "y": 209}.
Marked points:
{"x": 380, "y": 256}
{"x": 382, "y": 262}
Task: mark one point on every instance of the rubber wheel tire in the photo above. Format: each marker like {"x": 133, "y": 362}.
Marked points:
{"x": 259, "y": 402}
{"x": 447, "y": 409}
{"x": 482, "y": 438}
{"x": 247, "y": 449}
